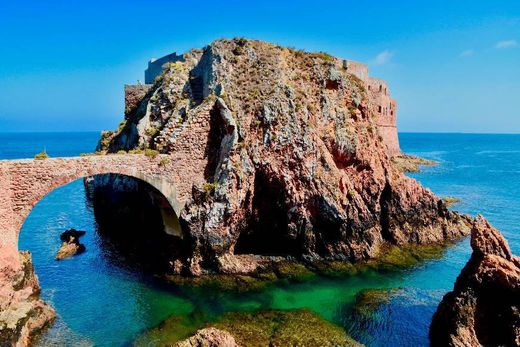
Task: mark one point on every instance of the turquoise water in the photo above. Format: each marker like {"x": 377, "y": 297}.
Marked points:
{"x": 101, "y": 301}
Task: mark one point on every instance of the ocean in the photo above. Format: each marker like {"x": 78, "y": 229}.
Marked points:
{"x": 102, "y": 302}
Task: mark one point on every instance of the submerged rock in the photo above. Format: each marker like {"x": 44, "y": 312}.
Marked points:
{"x": 253, "y": 329}
{"x": 280, "y": 154}
{"x": 71, "y": 245}
{"x": 484, "y": 306}
{"x": 23, "y": 316}
{"x": 283, "y": 328}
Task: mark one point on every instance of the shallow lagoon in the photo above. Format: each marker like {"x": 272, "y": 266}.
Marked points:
{"x": 102, "y": 301}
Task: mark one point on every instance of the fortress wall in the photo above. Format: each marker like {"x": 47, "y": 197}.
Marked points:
{"x": 359, "y": 70}
{"x": 385, "y": 110}
{"x": 155, "y": 66}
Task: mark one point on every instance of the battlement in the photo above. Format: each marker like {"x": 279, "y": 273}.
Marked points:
{"x": 382, "y": 106}
{"x": 357, "y": 69}
{"x": 155, "y": 66}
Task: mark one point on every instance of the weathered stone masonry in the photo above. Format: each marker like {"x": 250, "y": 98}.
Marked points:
{"x": 24, "y": 182}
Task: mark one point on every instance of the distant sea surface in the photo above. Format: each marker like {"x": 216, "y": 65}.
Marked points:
{"x": 101, "y": 302}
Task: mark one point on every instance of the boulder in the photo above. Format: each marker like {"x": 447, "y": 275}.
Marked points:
{"x": 71, "y": 245}
{"x": 209, "y": 337}
{"x": 23, "y": 316}
{"x": 484, "y": 306}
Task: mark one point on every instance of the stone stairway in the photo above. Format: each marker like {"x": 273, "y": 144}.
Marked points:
{"x": 197, "y": 89}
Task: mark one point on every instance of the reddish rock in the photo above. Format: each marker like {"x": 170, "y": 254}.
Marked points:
{"x": 22, "y": 314}
{"x": 484, "y": 306}
{"x": 283, "y": 153}
{"x": 209, "y": 337}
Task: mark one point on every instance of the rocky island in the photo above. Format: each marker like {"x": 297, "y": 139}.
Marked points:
{"x": 289, "y": 154}
{"x": 275, "y": 155}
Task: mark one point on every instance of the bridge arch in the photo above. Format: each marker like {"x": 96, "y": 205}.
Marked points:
{"x": 25, "y": 182}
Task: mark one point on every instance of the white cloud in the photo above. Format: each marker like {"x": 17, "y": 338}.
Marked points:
{"x": 383, "y": 57}
{"x": 506, "y": 44}
{"x": 467, "y": 53}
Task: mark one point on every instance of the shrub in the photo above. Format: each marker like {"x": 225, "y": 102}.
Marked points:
{"x": 210, "y": 188}
{"x": 152, "y": 131}
{"x": 121, "y": 152}
{"x": 151, "y": 152}
{"x": 121, "y": 126}
{"x": 164, "y": 161}
{"x": 324, "y": 56}
{"x": 135, "y": 151}
{"x": 42, "y": 155}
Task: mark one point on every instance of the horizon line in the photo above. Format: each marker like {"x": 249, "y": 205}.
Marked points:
{"x": 399, "y": 132}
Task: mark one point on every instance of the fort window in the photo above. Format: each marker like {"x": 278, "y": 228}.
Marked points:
{"x": 380, "y": 88}
{"x": 379, "y": 109}
{"x": 385, "y": 91}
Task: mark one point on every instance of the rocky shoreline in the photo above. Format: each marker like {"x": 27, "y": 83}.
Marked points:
{"x": 283, "y": 171}
{"x": 23, "y": 315}
{"x": 484, "y": 306}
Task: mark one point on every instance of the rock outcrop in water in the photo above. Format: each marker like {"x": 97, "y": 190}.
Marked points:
{"x": 284, "y": 157}
{"x": 484, "y": 306}
{"x": 71, "y": 245}
{"x": 22, "y": 314}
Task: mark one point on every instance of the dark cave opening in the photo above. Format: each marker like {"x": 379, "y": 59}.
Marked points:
{"x": 267, "y": 232}
{"x": 132, "y": 218}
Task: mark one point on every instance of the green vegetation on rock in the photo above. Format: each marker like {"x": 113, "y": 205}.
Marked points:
{"x": 282, "y": 328}
{"x": 410, "y": 163}
{"x": 42, "y": 155}
{"x": 450, "y": 201}
{"x": 151, "y": 153}
{"x": 258, "y": 328}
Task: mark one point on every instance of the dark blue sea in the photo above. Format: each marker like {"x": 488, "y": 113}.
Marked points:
{"x": 102, "y": 303}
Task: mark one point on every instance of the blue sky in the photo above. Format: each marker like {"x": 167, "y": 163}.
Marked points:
{"x": 453, "y": 66}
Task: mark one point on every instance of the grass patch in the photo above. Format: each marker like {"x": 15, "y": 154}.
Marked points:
{"x": 152, "y": 153}
{"x": 42, "y": 155}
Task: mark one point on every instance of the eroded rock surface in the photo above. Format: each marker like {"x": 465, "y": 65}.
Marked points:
{"x": 276, "y": 151}
{"x": 484, "y": 306}
{"x": 22, "y": 314}
{"x": 209, "y": 337}
{"x": 71, "y": 245}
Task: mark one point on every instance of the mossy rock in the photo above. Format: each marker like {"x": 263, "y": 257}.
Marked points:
{"x": 336, "y": 268}
{"x": 250, "y": 329}
{"x": 283, "y": 328}
{"x": 293, "y": 271}
{"x": 390, "y": 259}
{"x": 167, "y": 332}
{"x": 287, "y": 270}
{"x": 370, "y": 299}
{"x": 231, "y": 283}
{"x": 394, "y": 258}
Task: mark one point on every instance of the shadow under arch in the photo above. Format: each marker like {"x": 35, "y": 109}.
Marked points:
{"x": 171, "y": 207}
{"x": 149, "y": 238}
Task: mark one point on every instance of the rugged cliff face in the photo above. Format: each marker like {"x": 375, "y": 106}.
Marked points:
{"x": 484, "y": 306}
{"x": 22, "y": 314}
{"x": 277, "y": 152}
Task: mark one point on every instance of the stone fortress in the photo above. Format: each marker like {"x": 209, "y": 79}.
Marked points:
{"x": 384, "y": 107}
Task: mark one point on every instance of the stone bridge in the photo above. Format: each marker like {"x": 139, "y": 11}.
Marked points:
{"x": 24, "y": 182}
